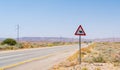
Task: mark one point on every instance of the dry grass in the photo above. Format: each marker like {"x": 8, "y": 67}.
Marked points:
{"x": 24, "y": 45}
{"x": 98, "y": 56}
{"x": 84, "y": 51}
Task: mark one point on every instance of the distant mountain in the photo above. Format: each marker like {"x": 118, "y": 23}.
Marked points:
{"x": 2, "y": 39}
{"x": 107, "y": 40}
{"x": 48, "y": 39}
{"x": 51, "y": 39}
{"x": 64, "y": 39}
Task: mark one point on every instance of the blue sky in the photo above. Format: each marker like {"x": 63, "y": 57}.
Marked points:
{"x": 60, "y": 18}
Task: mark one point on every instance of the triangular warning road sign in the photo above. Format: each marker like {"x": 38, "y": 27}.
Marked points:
{"x": 80, "y": 31}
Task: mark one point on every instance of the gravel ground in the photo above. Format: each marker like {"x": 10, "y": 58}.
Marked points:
{"x": 87, "y": 66}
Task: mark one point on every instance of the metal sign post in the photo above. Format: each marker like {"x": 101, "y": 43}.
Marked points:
{"x": 79, "y": 49}
{"x": 80, "y": 32}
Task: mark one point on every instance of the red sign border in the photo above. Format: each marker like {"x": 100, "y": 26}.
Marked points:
{"x": 82, "y": 30}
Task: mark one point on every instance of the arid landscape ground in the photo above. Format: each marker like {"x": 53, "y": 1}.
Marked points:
{"x": 98, "y": 56}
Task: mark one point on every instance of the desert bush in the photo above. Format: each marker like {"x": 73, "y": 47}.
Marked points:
{"x": 11, "y": 47}
{"x": 73, "y": 57}
{"x": 26, "y": 45}
{"x": 88, "y": 59}
{"x": 116, "y": 63}
{"x": 19, "y": 45}
{"x": 99, "y": 59}
{"x": 84, "y": 68}
{"x": 7, "y": 47}
{"x": 9, "y": 41}
{"x": 116, "y": 58}
{"x": 50, "y": 44}
{"x": 3, "y": 46}
{"x": 97, "y": 69}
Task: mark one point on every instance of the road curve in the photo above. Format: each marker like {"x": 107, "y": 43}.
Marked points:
{"x": 10, "y": 58}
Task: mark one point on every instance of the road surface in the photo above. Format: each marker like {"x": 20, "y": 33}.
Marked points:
{"x": 9, "y": 58}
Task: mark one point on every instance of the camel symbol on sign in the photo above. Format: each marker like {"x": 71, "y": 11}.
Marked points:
{"x": 80, "y": 31}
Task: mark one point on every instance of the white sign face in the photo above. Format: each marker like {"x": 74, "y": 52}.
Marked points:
{"x": 80, "y": 31}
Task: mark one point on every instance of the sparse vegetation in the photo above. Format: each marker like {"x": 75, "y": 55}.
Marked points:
{"x": 84, "y": 52}
{"x": 104, "y": 52}
{"x": 84, "y": 68}
{"x": 8, "y": 44}
{"x": 106, "y": 55}
{"x": 97, "y": 69}
{"x": 98, "y": 59}
{"x": 9, "y": 41}
{"x": 11, "y": 44}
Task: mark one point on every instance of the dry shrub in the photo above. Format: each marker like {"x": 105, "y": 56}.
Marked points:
{"x": 26, "y": 45}
{"x": 84, "y": 51}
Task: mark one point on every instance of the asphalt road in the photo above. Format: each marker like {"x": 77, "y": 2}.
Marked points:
{"x": 9, "y": 58}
